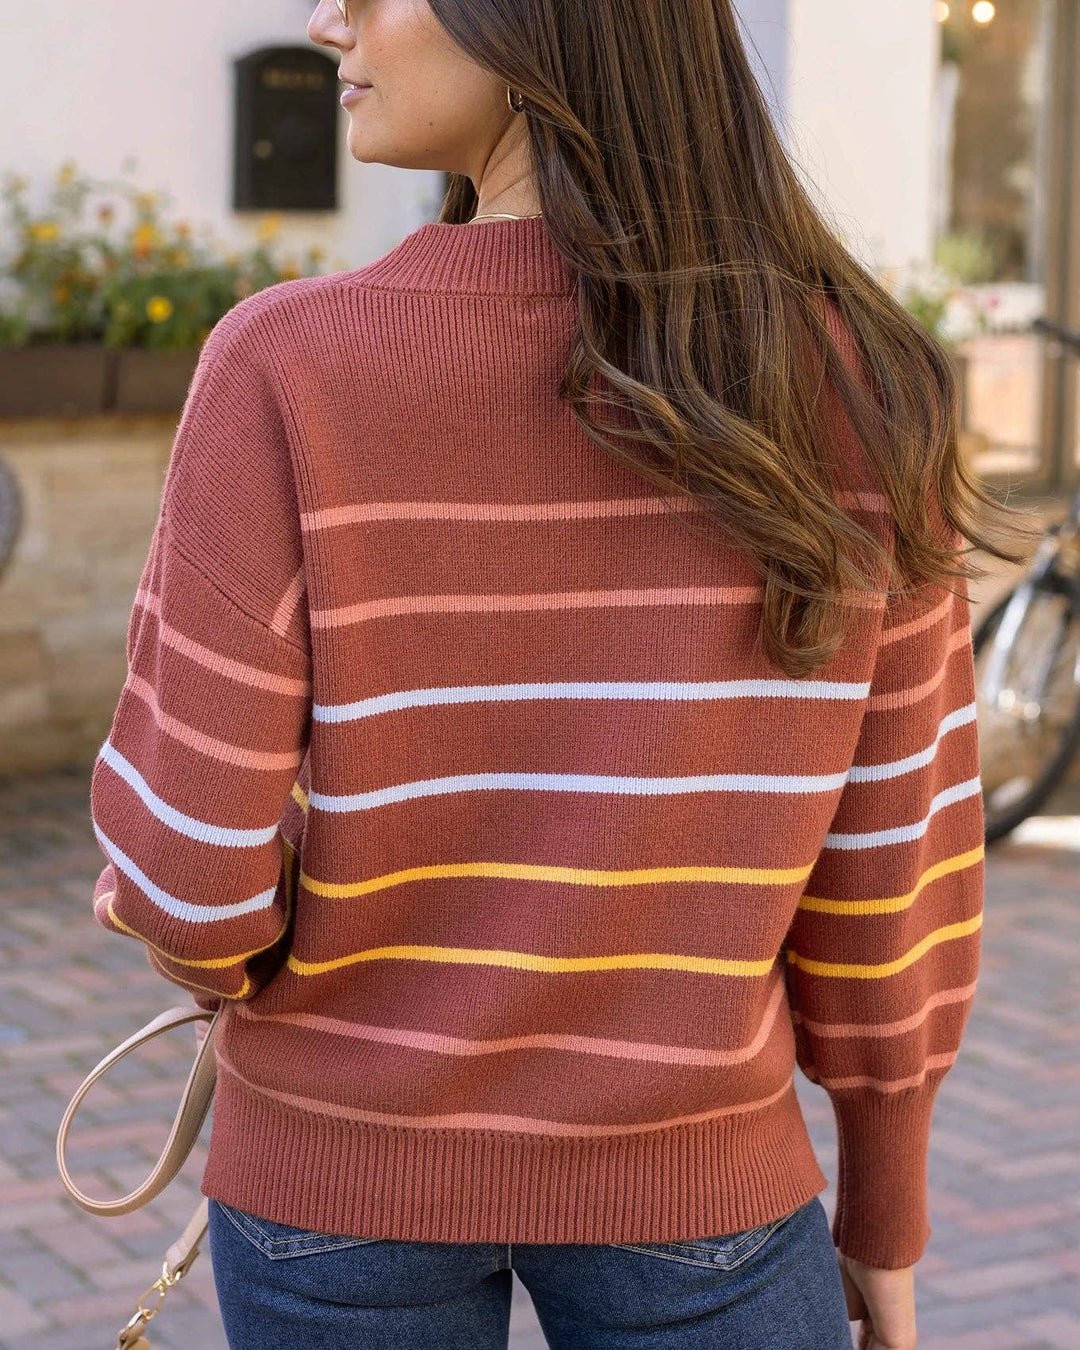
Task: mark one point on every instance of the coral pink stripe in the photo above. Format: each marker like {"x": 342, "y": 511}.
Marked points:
{"x": 460, "y": 604}
{"x": 588, "y": 1045}
{"x": 904, "y": 698}
{"x": 898, "y": 631}
{"x": 211, "y": 660}
{"x": 358, "y": 512}
{"x": 566, "y": 510}
{"x": 898, "y": 1028}
{"x": 221, "y": 751}
{"x": 282, "y": 616}
{"x": 931, "y": 1062}
{"x": 474, "y": 1120}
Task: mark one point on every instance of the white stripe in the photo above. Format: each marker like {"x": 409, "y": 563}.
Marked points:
{"x": 189, "y": 826}
{"x": 169, "y": 904}
{"x": 903, "y": 834}
{"x": 871, "y": 773}
{"x": 576, "y": 782}
{"x": 659, "y": 689}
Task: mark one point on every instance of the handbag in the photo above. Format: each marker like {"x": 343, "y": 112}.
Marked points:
{"x": 190, "y": 1113}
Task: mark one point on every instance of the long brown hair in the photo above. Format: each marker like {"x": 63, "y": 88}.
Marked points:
{"x": 714, "y": 303}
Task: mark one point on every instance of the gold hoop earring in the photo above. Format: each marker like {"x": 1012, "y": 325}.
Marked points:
{"x": 514, "y": 107}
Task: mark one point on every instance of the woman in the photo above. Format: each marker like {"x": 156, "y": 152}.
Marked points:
{"x": 548, "y": 722}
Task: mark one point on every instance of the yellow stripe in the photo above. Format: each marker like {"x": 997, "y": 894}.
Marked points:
{"x": 215, "y": 962}
{"x": 867, "y": 972}
{"x": 704, "y": 965}
{"x": 575, "y": 876}
{"x": 895, "y": 902}
{"x": 190, "y": 984}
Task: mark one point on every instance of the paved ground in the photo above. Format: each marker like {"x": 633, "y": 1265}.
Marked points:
{"x": 1000, "y": 1272}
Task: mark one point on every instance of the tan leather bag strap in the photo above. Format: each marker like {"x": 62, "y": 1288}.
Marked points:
{"x": 177, "y": 1262}
{"x": 194, "y": 1103}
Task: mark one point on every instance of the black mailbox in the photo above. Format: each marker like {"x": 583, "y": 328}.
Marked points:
{"x": 287, "y": 116}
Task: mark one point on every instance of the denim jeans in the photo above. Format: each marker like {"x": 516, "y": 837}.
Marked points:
{"x": 773, "y": 1287}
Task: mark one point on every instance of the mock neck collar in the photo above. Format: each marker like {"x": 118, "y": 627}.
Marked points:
{"x": 515, "y": 257}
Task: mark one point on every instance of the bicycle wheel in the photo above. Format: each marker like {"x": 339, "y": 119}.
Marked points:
{"x": 1027, "y": 702}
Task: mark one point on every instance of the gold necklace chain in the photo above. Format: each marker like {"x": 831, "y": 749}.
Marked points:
{"x": 504, "y": 215}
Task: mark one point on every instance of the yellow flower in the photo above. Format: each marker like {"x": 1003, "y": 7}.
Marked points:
{"x": 179, "y": 257}
{"x": 146, "y": 201}
{"x": 289, "y": 272}
{"x": 145, "y": 236}
{"x": 159, "y": 308}
{"x": 44, "y": 231}
{"x": 67, "y": 171}
{"x": 269, "y": 227}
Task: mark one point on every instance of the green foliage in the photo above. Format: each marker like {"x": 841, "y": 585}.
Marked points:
{"x": 934, "y": 295}
{"x": 100, "y": 264}
{"x": 929, "y": 309}
{"x": 952, "y": 45}
{"x": 968, "y": 255}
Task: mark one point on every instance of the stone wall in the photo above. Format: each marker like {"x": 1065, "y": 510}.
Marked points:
{"x": 91, "y": 490}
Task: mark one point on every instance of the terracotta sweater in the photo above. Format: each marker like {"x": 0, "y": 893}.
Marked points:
{"x": 448, "y": 764}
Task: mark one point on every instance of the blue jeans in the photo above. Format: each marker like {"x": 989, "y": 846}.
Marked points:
{"x": 773, "y": 1287}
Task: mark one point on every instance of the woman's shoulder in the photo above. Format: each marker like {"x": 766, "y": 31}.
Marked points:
{"x": 284, "y": 306}
{"x": 294, "y": 323}
{"x": 289, "y": 306}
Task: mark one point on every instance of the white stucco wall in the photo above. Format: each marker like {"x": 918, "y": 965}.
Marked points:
{"x": 99, "y": 80}
{"x": 851, "y": 85}
{"x": 860, "y": 110}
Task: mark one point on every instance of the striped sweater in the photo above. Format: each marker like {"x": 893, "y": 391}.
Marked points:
{"x": 449, "y": 767}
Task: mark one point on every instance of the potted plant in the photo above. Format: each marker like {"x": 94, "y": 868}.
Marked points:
{"x": 52, "y": 359}
{"x": 105, "y": 309}
{"x": 945, "y": 304}
{"x": 167, "y": 294}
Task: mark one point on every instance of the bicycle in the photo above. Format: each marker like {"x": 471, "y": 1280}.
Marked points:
{"x": 1027, "y": 670}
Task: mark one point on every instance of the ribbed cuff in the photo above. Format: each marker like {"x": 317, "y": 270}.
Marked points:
{"x": 881, "y": 1215}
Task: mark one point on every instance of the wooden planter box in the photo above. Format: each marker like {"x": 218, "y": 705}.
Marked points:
{"x": 152, "y": 381}
{"x": 80, "y": 379}
{"x": 51, "y": 381}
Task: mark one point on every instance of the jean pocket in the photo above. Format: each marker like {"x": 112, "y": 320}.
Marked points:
{"x": 278, "y": 1240}
{"x": 723, "y": 1252}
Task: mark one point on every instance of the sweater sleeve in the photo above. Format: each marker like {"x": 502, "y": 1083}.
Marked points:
{"x": 189, "y": 789}
{"x": 883, "y": 953}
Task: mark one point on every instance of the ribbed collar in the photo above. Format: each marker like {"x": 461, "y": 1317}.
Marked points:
{"x": 514, "y": 257}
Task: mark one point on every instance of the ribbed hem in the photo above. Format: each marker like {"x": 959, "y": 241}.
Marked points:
{"x": 338, "y": 1176}
{"x": 883, "y": 1139}
{"x": 514, "y": 257}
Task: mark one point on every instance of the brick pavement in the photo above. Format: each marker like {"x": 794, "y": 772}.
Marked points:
{"x": 1001, "y": 1271}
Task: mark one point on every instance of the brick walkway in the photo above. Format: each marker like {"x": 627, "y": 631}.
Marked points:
{"x": 1000, "y": 1272}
